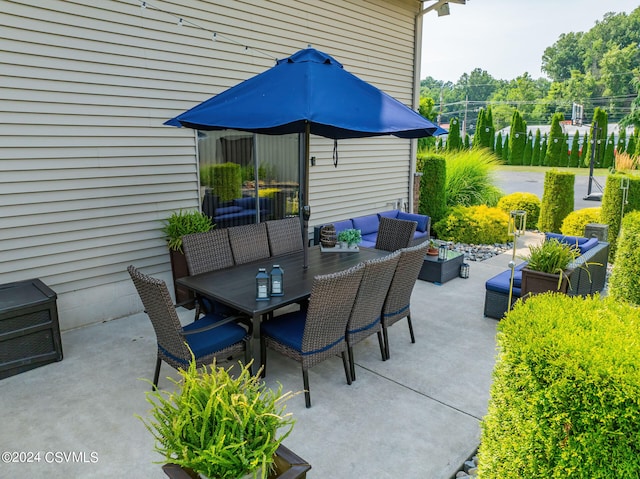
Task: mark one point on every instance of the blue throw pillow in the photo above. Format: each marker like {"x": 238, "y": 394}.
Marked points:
{"x": 422, "y": 220}
{"x": 587, "y": 245}
{"x": 389, "y": 214}
{"x": 570, "y": 240}
{"x": 366, "y": 224}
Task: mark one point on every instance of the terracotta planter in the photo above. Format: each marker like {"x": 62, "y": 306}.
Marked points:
{"x": 536, "y": 282}
{"x": 184, "y": 296}
{"x": 288, "y": 466}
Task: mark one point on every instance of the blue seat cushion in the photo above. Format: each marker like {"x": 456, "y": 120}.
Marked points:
{"x": 500, "y": 282}
{"x": 228, "y": 210}
{"x": 366, "y": 224}
{"x": 369, "y": 240}
{"x": 248, "y": 203}
{"x": 422, "y": 220}
{"x": 286, "y": 329}
{"x": 215, "y": 339}
{"x": 389, "y": 214}
{"x": 419, "y": 235}
{"x": 587, "y": 245}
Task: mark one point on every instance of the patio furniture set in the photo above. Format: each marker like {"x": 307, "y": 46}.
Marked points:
{"x": 343, "y": 298}
{"x": 587, "y": 275}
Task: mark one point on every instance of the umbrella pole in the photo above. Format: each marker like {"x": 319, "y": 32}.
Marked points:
{"x": 305, "y": 208}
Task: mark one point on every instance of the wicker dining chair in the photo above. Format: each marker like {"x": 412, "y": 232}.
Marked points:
{"x": 285, "y": 236}
{"x": 398, "y": 301}
{"x": 395, "y": 234}
{"x": 206, "y": 252}
{"x": 317, "y": 333}
{"x": 365, "y": 315}
{"x": 212, "y": 336}
{"x": 249, "y": 242}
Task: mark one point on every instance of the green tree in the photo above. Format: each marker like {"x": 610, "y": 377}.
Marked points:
{"x": 517, "y": 138}
{"x": 563, "y": 56}
{"x": 622, "y": 141}
{"x": 574, "y": 157}
{"x": 479, "y": 138}
{"x": 632, "y": 146}
{"x": 608, "y": 152}
{"x": 598, "y": 138}
{"x": 467, "y": 141}
{"x": 633, "y": 118}
{"x": 492, "y": 129}
{"x": 528, "y": 150}
{"x": 556, "y": 146}
{"x": 426, "y": 109}
{"x": 454, "y": 140}
{"x": 505, "y": 150}
{"x": 535, "y": 154}
{"x": 543, "y": 150}
{"x": 498, "y": 149}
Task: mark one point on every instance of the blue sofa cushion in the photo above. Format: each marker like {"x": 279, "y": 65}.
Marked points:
{"x": 570, "y": 240}
{"x": 343, "y": 225}
{"x": 390, "y": 213}
{"x": 248, "y": 203}
{"x": 228, "y": 210}
{"x": 422, "y": 220}
{"x": 366, "y": 224}
{"x": 215, "y": 339}
{"x": 500, "y": 282}
{"x": 368, "y": 241}
{"x": 587, "y": 245}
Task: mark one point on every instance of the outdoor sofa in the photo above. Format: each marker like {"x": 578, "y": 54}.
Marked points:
{"x": 236, "y": 212}
{"x": 369, "y": 225}
{"x": 582, "y": 281}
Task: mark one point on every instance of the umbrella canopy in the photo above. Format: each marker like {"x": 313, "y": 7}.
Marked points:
{"x": 308, "y": 88}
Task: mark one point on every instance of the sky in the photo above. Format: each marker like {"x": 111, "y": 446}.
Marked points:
{"x": 504, "y": 37}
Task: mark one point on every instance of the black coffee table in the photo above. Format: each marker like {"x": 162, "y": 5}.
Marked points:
{"x": 440, "y": 271}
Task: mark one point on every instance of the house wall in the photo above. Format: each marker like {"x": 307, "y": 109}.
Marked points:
{"x": 87, "y": 170}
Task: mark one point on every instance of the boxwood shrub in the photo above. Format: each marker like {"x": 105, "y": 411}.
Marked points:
{"x": 224, "y": 179}
{"x": 433, "y": 193}
{"x": 574, "y": 222}
{"x": 612, "y": 205}
{"x": 522, "y": 201}
{"x": 625, "y": 277}
{"x": 474, "y": 225}
{"x": 565, "y": 400}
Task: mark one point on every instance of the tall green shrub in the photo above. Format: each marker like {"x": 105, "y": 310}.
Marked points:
{"x": 612, "y": 205}
{"x": 622, "y": 141}
{"x": 433, "y": 193}
{"x": 498, "y": 148}
{"x": 517, "y": 138}
{"x": 565, "y": 398}
{"x": 505, "y": 150}
{"x": 608, "y": 152}
{"x": 632, "y": 146}
{"x": 598, "y": 138}
{"x": 470, "y": 178}
{"x": 557, "y": 200}
{"x": 556, "y": 146}
{"x": 528, "y": 150}
{"x": 543, "y": 150}
{"x": 574, "y": 156}
{"x": 480, "y": 136}
{"x": 225, "y": 180}
{"x": 535, "y": 153}
{"x": 625, "y": 278}
{"x": 454, "y": 140}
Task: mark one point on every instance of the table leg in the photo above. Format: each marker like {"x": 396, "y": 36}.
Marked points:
{"x": 255, "y": 344}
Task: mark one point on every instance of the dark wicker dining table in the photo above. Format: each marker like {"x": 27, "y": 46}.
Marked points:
{"x": 236, "y": 286}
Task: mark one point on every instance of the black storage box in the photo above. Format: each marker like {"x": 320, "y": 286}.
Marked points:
{"x": 29, "y": 329}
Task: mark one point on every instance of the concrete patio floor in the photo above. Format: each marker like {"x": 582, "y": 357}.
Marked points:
{"x": 415, "y": 416}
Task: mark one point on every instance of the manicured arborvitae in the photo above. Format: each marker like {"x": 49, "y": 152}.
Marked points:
{"x": 492, "y": 129}
{"x": 612, "y": 205}
{"x": 480, "y": 136}
{"x": 498, "y": 149}
{"x": 467, "y": 141}
{"x": 433, "y": 192}
{"x": 454, "y": 140}
{"x": 543, "y": 151}
{"x": 584, "y": 163}
{"x": 608, "y": 152}
{"x": 574, "y": 157}
{"x": 439, "y": 145}
{"x": 632, "y": 146}
{"x": 528, "y": 151}
{"x": 556, "y": 147}
{"x": 517, "y": 138}
{"x": 505, "y": 149}
{"x": 600, "y": 137}
{"x": 622, "y": 141}
{"x": 535, "y": 154}
{"x": 624, "y": 283}
{"x": 557, "y": 200}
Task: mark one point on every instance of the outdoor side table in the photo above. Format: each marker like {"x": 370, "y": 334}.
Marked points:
{"x": 29, "y": 329}
{"x": 440, "y": 271}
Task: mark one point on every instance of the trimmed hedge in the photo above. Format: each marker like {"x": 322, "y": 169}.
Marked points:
{"x": 433, "y": 192}
{"x": 522, "y": 201}
{"x": 612, "y": 205}
{"x": 224, "y": 179}
{"x": 557, "y": 200}
{"x": 574, "y": 223}
{"x": 565, "y": 400}
{"x": 474, "y": 225}
{"x": 625, "y": 278}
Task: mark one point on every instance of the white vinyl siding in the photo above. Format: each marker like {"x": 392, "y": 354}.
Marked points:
{"x": 87, "y": 170}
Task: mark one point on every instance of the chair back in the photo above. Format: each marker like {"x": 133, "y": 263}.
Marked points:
{"x": 159, "y": 307}
{"x": 329, "y": 309}
{"x": 208, "y": 251}
{"x": 249, "y": 242}
{"x": 285, "y": 235}
{"x": 367, "y": 308}
{"x": 395, "y": 234}
{"x": 396, "y": 305}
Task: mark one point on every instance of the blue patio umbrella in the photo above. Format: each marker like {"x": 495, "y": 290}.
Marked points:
{"x": 307, "y": 93}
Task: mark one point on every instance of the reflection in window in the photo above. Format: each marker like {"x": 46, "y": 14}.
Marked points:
{"x": 237, "y": 167}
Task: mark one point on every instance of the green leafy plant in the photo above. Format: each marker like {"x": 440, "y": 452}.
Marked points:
{"x": 219, "y": 425}
{"x": 574, "y": 222}
{"x": 470, "y": 178}
{"x": 522, "y": 201}
{"x": 433, "y": 194}
{"x": 350, "y": 236}
{"x": 565, "y": 397}
{"x": 551, "y": 256}
{"x": 557, "y": 200}
{"x": 625, "y": 278}
{"x": 474, "y": 224}
{"x": 181, "y": 223}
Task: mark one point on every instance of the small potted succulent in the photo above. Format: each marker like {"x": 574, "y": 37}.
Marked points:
{"x": 351, "y": 237}
{"x": 222, "y": 423}
{"x": 432, "y": 249}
